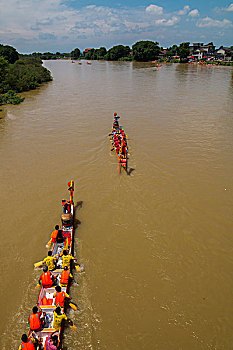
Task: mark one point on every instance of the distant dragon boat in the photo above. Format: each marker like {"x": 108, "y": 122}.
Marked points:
{"x": 119, "y": 143}
{"x": 46, "y": 301}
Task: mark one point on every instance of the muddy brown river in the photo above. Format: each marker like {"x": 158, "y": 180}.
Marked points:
{"x": 157, "y": 245}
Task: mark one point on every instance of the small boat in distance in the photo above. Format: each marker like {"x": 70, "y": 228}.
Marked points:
{"x": 89, "y": 63}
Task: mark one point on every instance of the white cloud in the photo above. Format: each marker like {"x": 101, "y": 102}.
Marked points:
{"x": 184, "y": 11}
{"x": 210, "y": 22}
{"x": 154, "y": 9}
{"x": 194, "y": 13}
{"x": 230, "y": 7}
{"x": 167, "y": 22}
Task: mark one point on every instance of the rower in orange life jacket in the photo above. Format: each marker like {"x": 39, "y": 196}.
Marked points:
{"x": 65, "y": 275}
{"x": 46, "y": 279}
{"x": 27, "y": 344}
{"x": 60, "y": 297}
{"x": 54, "y": 234}
{"x": 36, "y": 320}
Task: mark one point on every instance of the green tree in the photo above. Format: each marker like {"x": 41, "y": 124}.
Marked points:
{"x": 183, "y": 51}
{"x": 172, "y": 51}
{"x": 75, "y": 54}
{"x": 117, "y": 52}
{"x": 3, "y": 68}
{"x": 9, "y": 53}
{"x": 145, "y": 51}
{"x": 100, "y": 53}
{"x": 89, "y": 54}
{"x": 26, "y": 74}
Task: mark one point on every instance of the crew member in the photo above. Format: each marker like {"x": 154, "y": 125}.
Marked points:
{"x": 58, "y": 318}
{"x": 50, "y": 261}
{"x": 47, "y": 279}
{"x": 66, "y": 259}
{"x": 60, "y": 297}
{"x": 27, "y": 343}
{"x": 66, "y": 206}
{"x": 54, "y": 234}
{"x": 65, "y": 275}
{"x": 60, "y": 237}
{"x": 52, "y": 342}
{"x": 36, "y": 319}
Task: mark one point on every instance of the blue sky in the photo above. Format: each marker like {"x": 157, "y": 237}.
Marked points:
{"x": 62, "y": 25}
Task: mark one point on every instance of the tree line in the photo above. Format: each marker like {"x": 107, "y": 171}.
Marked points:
{"x": 142, "y": 51}
{"x": 18, "y": 74}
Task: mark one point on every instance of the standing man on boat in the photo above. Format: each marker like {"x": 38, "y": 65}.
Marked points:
{"x": 66, "y": 206}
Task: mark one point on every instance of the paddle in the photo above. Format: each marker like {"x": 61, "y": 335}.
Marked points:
{"x": 73, "y": 306}
{"x": 48, "y": 245}
{"x": 37, "y": 286}
{"x": 73, "y": 327}
{"x": 78, "y": 269}
{"x": 39, "y": 263}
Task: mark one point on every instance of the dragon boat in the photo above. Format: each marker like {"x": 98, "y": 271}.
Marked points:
{"x": 46, "y": 301}
{"x": 119, "y": 144}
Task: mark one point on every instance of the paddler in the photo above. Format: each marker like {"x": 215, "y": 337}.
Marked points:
{"x": 50, "y": 261}
{"x": 36, "y": 319}
{"x": 52, "y": 342}
{"x": 60, "y": 297}
{"x": 66, "y": 259}
{"x": 27, "y": 343}
{"x": 47, "y": 279}
{"x": 65, "y": 275}
{"x": 53, "y": 236}
{"x": 60, "y": 237}
{"x": 59, "y": 317}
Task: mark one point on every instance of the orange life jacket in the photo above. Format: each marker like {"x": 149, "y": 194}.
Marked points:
{"x": 35, "y": 321}
{"x": 44, "y": 301}
{"x": 60, "y": 298}
{"x": 27, "y": 346}
{"x": 46, "y": 279}
{"x": 65, "y": 276}
{"x": 54, "y": 236}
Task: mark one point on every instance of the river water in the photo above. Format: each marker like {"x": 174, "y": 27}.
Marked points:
{"x": 157, "y": 245}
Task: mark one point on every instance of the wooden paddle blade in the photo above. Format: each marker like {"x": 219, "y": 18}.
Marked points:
{"x": 77, "y": 268}
{"x": 39, "y": 263}
{"x": 73, "y": 327}
{"x": 74, "y": 307}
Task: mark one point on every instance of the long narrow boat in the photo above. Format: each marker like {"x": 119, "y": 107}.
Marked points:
{"x": 67, "y": 227}
{"x": 119, "y": 144}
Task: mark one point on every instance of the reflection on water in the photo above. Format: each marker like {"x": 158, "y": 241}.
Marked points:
{"x": 156, "y": 245}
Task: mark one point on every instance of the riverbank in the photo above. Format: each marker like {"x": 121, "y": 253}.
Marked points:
{"x": 25, "y": 74}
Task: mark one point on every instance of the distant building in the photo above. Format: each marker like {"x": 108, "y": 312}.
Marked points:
{"x": 224, "y": 53}
{"x": 88, "y": 49}
{"x": 199, "y": 51}
{"x": 162, "y": 53}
